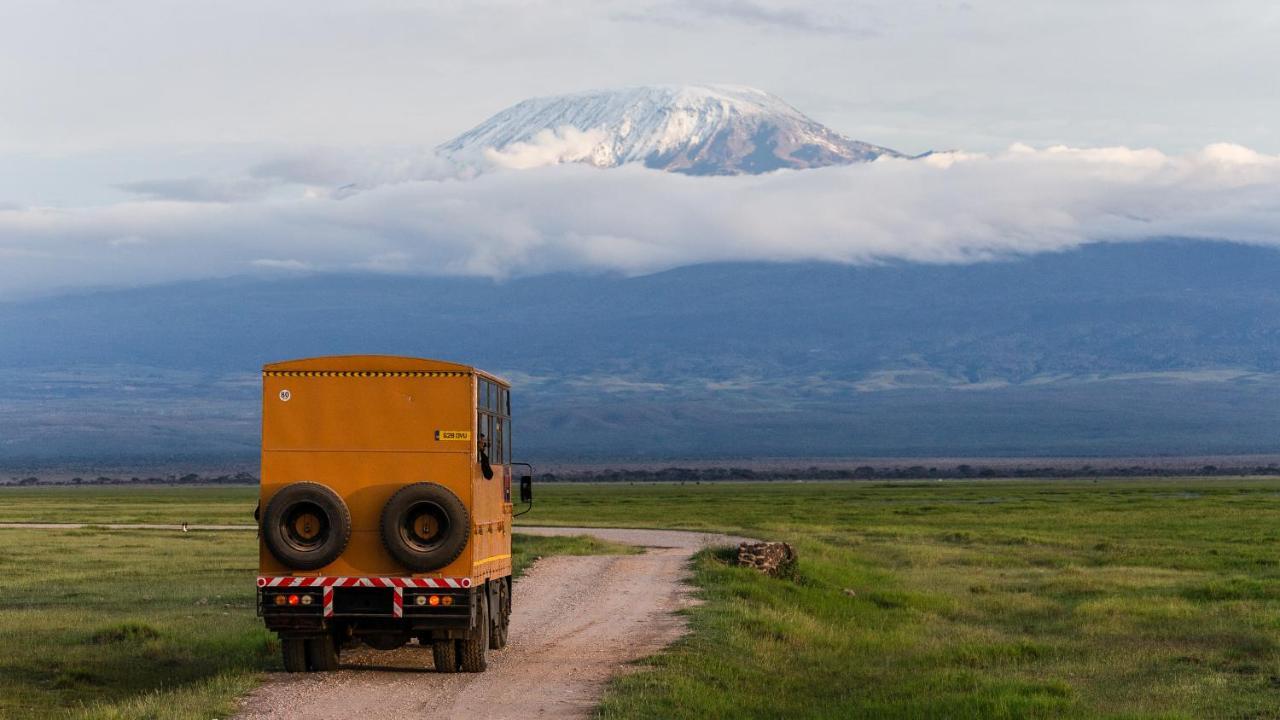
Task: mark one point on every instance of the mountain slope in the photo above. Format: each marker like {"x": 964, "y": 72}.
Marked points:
{"x": 698, "y": 130}
{"x": 1151, "y": 348}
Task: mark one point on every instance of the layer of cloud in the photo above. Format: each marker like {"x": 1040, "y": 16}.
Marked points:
{"x": 945, "y": 208}
{"x": 199, "y": 189}
{"x": 769, "y": 16}
{"x": 550, "y": 147}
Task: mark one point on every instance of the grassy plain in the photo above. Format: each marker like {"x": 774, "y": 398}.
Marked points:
{"x": 999, "y": 599}
{"x": 1127, "y": 599}
{"x": 167, "y": 505}
{"x": 143, "y": 624}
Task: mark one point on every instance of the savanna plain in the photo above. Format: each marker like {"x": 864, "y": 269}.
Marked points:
{"x": 1129, "y": 598}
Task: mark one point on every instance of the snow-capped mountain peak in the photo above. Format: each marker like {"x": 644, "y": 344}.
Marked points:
{"x": 694, "y": 129}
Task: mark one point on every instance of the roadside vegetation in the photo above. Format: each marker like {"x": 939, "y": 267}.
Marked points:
{"x": 1004, "y": 599}
{"x": 143, "y": 624}
{"x": 1131, "y": 598}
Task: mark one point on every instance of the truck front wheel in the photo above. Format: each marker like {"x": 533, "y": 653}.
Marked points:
{"x": 472, "y": 649}
{"x": 294, "y": 651}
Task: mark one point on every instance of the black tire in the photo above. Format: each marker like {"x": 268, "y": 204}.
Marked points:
{"x": 306, "y": 526}
{"x": 472, "y": 649}
{"x": 294, "y": 651}
{"x": 425, "y": 526}
{"x": 500, "y": 618}
{"x": 445, "y": 655}
{"x": 322, "y": 654}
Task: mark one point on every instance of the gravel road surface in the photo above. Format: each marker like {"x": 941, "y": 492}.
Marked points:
{"x": 576, "y": 622}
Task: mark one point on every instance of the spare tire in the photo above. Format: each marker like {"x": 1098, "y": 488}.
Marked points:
{"x": 425, "y": 526}
{"x": 306, "y": 525}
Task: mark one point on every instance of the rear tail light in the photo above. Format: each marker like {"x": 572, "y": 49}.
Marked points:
{"x": 294, "y": 599}
{"x": 425, "y": 600}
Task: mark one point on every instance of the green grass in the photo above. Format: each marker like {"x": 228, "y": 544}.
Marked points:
{"x": 1127, "y": 599}
{"x": 1133, "y": 599}
{"x": 216, "y": 505}
{"x": 109, "y": 617}
{"x": 145, "y": 624}
{"x": 526, "y": 549}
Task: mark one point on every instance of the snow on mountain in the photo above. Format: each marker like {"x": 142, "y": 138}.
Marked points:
{"x": 693, "y": 129}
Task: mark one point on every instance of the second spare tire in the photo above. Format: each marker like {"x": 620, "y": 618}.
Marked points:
{"x": 425, "y": 526}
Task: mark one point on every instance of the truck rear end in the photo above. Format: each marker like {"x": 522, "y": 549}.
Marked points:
{"x": 385, "y": 509}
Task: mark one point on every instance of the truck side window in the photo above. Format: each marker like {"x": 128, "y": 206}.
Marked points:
{"x": 493, "y": 420}
{"x": 500, "y": 440}
{"x": 484, "y": 443}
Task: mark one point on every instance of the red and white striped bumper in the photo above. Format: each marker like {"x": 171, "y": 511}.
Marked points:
{"x": 398, "y": 584}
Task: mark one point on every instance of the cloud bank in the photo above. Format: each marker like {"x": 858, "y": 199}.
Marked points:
{"x": 422, "y": 217}
{"x": 549, "y": 147}
{"x": 698, "y": 14}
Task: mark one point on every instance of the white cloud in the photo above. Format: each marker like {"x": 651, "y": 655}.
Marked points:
{"x": 948, "y": 208}
{"x": 125, "y": 240}
{"x": 768, "y": 16}
{"x": 278, "y": 264}
{"x": 563, "y": 145}
{"x": 195, "y": 189}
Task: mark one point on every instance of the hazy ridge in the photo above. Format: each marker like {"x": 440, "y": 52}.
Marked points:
{"x": 1164, "y": 348}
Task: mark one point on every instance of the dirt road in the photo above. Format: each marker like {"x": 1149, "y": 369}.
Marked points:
{"x": 576, "y": 622}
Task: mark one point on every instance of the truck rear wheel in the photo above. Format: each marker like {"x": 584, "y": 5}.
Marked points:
{"x": 445, "y": 655}
{"x": 500, "y": 618}
{"x": 322, "y": 654}
{"x": 472, "y": 649}
{"x": 294, "y": 651}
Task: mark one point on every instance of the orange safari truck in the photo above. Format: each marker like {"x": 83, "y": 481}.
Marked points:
{"x": 385, "y": 508}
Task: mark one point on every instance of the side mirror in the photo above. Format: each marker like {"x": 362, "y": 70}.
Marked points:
{"x": 526, "y": 488}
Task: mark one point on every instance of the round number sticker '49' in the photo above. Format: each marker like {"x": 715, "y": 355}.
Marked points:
{"x": 285, "y": 395}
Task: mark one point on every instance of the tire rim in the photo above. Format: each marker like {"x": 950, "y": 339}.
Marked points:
{"x": 426, "y": 527}
{"x": 305, "y": 527}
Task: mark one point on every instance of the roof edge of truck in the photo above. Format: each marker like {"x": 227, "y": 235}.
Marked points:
{"x": 373, "y": 363}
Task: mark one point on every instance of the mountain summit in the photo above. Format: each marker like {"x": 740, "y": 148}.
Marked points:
{"x": 692, "y": 129}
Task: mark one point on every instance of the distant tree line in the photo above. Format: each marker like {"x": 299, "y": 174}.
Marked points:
{"x": 896, "y": 472}
{"x": 241, "y": 478}
{"x": 730, "y": 474}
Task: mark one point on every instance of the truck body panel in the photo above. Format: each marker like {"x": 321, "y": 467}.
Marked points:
{"x": 364, "y": 427}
